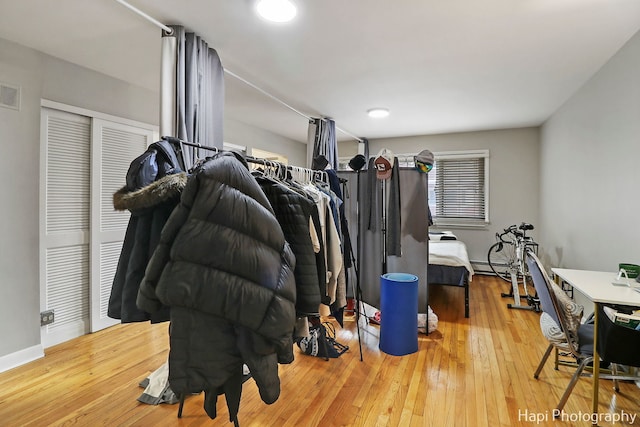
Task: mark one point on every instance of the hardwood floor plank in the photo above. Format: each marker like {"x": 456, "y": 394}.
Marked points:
{"x": 470, "y": 372}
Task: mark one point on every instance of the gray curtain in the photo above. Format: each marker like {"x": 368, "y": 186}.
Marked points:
{"x": 321, "y": 140}
{"x": 199, "y": 93}
{"x": 414, "y": 234}
{"x": 191, "y": 105}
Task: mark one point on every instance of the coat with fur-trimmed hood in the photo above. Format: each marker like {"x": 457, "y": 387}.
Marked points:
{"x": 150, "y": 208}
{"x": 226, "y": 271}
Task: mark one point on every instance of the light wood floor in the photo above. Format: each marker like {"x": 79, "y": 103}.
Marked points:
{"x": 471, "y": 372}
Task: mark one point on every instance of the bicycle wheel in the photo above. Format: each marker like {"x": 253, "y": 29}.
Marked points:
{"x": 502, "y": 257}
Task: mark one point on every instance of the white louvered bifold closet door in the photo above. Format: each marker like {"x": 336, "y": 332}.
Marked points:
{"x": 64, "y": 230}
{"x": 115, "y": 146}
{"x": 85, "y": 160}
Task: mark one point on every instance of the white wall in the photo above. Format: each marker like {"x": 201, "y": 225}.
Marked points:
{"x": 239, "y": 133}
{"x": 590, "y": 170}
{"x": 40, "y": 77}
{"x": 20, "y": 139}
{"x": 43, "y": 77}
{"x": 513, "y": 177}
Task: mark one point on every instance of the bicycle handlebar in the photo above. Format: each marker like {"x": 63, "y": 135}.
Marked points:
{"x": 519, "y": 231}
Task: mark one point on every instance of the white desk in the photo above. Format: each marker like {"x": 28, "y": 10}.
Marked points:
{"x": 597, "y": 286}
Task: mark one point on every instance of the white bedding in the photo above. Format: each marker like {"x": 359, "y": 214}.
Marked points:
{"x": 450, "y": 252}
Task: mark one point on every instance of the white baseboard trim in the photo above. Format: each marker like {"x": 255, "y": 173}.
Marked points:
{"x": 21, "y": 357}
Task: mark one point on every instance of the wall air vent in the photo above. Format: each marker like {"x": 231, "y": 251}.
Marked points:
{"x": 9, "y": 96}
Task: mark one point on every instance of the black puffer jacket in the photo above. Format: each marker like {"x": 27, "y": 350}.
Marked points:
{"x": 226, "y": 271}
{"x": 293, "y": 211}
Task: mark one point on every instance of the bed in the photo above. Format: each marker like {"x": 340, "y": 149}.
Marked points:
{"x": 449, "y": 264}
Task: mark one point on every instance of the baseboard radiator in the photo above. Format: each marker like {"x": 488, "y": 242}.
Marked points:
{"x": 482, "y": 267}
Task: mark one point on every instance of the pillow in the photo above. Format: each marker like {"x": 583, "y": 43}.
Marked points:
{"x": 442, "y": 235}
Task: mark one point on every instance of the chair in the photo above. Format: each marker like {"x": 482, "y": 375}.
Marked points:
{"x": 614, "y": 341}
{"x": 580, "y": 345}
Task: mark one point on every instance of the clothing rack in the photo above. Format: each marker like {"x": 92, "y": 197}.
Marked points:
{"x": 271, "y": 167}
{"x": 300, "y": 174}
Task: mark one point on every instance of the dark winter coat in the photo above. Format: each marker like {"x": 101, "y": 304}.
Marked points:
{"x": 293, "y": 211}
{"x": 226, "y": 271}
{"x": 150, "y": 208}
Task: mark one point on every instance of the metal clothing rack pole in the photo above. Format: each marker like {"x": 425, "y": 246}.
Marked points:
{"x": 312, "y": 173}
{"x": 181, "y": 143}
{"x": 145, "y": 16}
{"x": 426, "y": 285}
{"x": 357, "y": 266}
{"x": 384, "y": 226}
{"x": 192, "y": 144}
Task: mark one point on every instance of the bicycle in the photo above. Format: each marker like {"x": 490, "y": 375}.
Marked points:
{"x": 506, "y": 260}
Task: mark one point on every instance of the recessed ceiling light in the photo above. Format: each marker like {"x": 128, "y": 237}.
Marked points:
{"x": 378, "y": 113}
{"x": 276, "y": 10}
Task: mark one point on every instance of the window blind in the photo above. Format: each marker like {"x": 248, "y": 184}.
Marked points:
{"x": 460, "y": 189}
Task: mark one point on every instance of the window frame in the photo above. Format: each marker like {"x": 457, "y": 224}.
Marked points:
{"x": 464, "y": 155}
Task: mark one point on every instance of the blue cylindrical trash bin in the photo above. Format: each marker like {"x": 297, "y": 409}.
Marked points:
{"x": 398, "y": 313}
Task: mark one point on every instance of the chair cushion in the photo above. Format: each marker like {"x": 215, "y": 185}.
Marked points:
{"x": 572, "y": 315}
{"x": 572, "y": 311}
{"x": 552, "y": 332}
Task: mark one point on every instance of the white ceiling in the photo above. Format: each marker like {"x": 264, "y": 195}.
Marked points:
{"x": 439, "y": 65}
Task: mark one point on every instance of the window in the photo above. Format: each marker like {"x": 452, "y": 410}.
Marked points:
{"x": 343, "y": 163}
{"x": 268, "y": 155}
{"x": 458, "y": 188}
{"x": 227, "y": 146}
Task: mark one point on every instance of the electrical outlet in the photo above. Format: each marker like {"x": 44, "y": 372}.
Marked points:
{"x": 46, "y": 317}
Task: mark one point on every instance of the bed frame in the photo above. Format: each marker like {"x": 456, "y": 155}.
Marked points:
{"x": 450, "y": 276}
